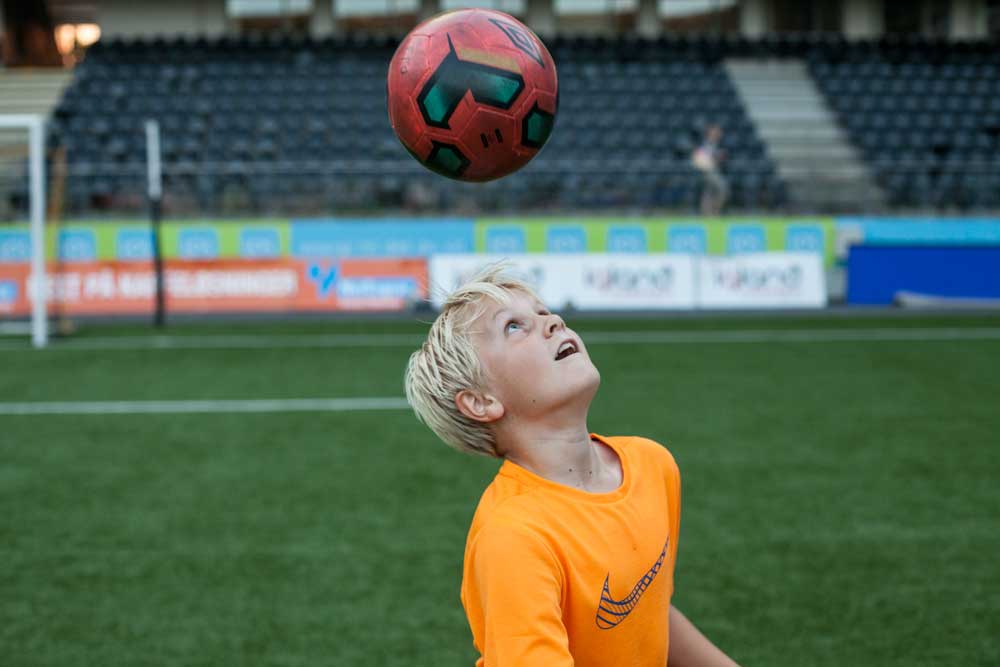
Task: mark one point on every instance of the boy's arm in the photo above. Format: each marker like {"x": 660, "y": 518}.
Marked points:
{"x": 690, "y": 648}
{"x": 517, "y": 584}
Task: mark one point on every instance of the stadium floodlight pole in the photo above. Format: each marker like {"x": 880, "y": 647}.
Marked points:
{"x": 155, "y": 190}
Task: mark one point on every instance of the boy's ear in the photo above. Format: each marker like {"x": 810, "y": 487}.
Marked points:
{"x": 479, "y": 407}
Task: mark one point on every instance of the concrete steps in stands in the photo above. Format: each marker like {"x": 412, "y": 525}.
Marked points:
{"x": 813, "y": 155}
{"x": 24, "y": 91}
{"x": 30, "y": 91}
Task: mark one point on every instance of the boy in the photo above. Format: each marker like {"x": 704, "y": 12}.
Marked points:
{"x": 570, "y": 556}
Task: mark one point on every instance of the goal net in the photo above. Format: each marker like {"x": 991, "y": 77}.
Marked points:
{"x": 23, "y": 281}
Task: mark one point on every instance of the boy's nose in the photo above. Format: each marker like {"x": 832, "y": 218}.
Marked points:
{"x": 554, "y": 324}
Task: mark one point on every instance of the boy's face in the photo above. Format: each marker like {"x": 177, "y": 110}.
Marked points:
{"x": 534, "y": 363}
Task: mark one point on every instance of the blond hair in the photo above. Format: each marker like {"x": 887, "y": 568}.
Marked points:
{"x": 447, "y": 362}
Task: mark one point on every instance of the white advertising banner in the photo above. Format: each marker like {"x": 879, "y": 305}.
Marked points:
{"x": 762, "y": 280}
{"x": 582, "y": 281}
{"x": 650, "y": 282}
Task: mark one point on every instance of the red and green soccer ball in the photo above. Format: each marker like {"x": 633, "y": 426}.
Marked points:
{"x": 472, "y": 94}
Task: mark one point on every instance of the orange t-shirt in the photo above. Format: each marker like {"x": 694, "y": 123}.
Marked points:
{"x": 554, "y": 576}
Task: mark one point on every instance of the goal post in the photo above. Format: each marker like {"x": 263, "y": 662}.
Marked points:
{"x": 35, "y": 125}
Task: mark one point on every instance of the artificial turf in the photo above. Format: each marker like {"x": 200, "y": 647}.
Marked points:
{"x": 840, "y": 499}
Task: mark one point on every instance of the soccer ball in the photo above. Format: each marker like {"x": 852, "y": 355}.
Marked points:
{"x": 472, "y": 94}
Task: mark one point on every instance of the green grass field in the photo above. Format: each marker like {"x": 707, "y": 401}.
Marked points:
{"x": 840, "y": 496}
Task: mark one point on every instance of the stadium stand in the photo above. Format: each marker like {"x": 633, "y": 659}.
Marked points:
{"x": 290, "y": 125}
{"x": 925, "y": 114}
{"x": 299, "y": 126}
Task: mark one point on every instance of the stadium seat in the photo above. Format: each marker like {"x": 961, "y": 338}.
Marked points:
{"x": 242, "y": 118}
{"x": 918, "y": 110}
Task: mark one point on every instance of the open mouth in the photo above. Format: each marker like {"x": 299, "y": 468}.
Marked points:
{"x": 566, "y": 349}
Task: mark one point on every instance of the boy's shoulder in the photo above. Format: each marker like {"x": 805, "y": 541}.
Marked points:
{"x": 506, "y": 496}
{"x": 642, "y": 447}
{"x": 508, "y": 510}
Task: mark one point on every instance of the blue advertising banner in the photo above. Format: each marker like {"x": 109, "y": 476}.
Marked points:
{"x": 937, "y": 231}
{"x": 15, "y": 246}
{"x": 198, "y": 243}
{"x": 77, "y": 245}
{"x": 565, "y": 238}
{"x": 877, "y": 273}
{"x": 134, "y": 244}
{"x": 690, "y": 239}
{"x": 506, "y": 239}
{"x": 381, "y": 238}
{"x": 631, "y": 238}
{"x": 8, "y": 294}
{"x": 745, "y": 238}
{"x": 260, "y": 242}
{"x": 804, "y": 238}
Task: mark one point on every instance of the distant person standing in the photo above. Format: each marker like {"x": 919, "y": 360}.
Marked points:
{"x": 707, "y": 159}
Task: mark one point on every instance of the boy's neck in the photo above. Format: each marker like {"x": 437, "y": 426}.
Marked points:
{"x": 566, "y": 455}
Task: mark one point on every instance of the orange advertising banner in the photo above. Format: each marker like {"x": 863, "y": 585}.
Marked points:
{"x": 197, "y": 286}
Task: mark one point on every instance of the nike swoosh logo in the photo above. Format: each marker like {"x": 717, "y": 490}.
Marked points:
{"x": 611, "y": 612}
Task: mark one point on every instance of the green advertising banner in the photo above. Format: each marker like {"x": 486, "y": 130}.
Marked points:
{"x": 132, "y": 241}
{"x": 650, "y": 235}
{"x": 268, "y": 239}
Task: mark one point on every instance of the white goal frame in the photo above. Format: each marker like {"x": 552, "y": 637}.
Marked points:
{"x": 37, "y": 284}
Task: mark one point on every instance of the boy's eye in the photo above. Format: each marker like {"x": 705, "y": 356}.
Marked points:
{"x": 513, "y": 325}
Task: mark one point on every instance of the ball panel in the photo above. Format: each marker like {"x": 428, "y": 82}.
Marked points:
{"x": 492, "y": 137}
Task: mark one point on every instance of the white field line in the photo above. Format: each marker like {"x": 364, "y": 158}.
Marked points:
{"x": 202, "y": 407}
{"x": 661, "y": 337}
{"x": 226, "y": 342}
{"x": 793, "y": 335}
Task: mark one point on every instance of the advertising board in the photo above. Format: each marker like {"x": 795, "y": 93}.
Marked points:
{"x": 879, "y": 274}
{"x": 762, "y": 280}
{"x": 215, "y": 286}
{"x": 583, "y": 282}
{"x": 421, "y": 237}
{"x": 651, "y": 282}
